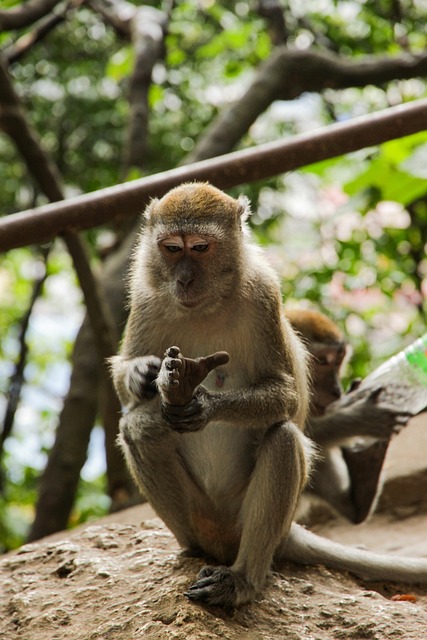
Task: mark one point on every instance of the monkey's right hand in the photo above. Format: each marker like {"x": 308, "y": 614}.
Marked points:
{"x": 371, "y": 412}
{"x": 141, "y": 376}
{"x": 183, "y": 404}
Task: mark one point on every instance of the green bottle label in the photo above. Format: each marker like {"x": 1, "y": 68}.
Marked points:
{"x": 416, "y": 355}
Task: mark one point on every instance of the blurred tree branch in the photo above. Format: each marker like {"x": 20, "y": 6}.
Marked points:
{"x": 17, "y": 378}
{"x": 23, "y": 44}
{"x": 15, "y": 124}
{"x": 25, "y": 14}
{"x": 286, "y": 75}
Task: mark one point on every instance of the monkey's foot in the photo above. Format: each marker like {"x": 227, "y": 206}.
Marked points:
{"x": 220, "y": 587}
{"x": 179, "y": 376}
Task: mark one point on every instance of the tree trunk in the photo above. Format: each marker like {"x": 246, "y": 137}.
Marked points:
{"x": 59, "y": 481}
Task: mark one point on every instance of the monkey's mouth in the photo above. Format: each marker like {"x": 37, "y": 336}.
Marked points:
{"x": 189, "y": 302}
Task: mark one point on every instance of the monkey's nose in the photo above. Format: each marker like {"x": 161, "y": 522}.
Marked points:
{"x": 184, "y": 283}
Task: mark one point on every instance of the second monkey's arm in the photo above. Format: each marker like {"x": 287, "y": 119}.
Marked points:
{"x": 357, "y": 414}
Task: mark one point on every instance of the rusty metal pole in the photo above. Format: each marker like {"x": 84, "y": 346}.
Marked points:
{"x": 44, "y": 223}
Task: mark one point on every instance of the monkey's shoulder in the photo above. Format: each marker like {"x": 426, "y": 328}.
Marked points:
{"x": 260, "y": 287}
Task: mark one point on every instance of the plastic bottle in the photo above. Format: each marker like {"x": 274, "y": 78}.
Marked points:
{"x": 404, "y": 377}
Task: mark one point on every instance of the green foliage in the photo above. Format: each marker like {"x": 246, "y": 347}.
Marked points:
{"x": 396, "y": 173}
{"x": 59, "y": 95}
{"x": 17, "y": 508}
{"x": 19, "y": 497}
{"x": 120, "y": 64}
{"x": 91, "y": 502}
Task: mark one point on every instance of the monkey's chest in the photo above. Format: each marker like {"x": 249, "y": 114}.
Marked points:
{"x": 224, "y": 379}
{"x": 220, "y": 377}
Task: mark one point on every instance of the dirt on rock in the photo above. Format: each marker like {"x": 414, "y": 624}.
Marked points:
{"x": 123, "y": 578}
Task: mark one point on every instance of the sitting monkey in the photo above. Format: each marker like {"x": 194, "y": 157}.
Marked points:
{"x": 347, "y": 477}
{"x": 220, "y": 450}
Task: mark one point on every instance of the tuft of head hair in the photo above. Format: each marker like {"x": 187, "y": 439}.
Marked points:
{"x": 194, "y": 203}
{"x": 314, "y": 326}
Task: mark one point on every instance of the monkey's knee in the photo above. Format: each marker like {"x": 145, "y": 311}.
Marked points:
{"x": 141, "y": 434}
{"x": 144, "y": 427}
{"x": 292, "y": 450}
{"x": 145, "y": 443}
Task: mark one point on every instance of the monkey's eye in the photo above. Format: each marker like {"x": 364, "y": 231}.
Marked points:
{"x": 172, "y": 248}
{"x": 321, "y": 360}
{"x": 200, "y": 248}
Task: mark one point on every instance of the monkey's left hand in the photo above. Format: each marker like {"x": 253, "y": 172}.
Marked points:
{"x": 182, "y": 407}
{"x": 191, "y": 417}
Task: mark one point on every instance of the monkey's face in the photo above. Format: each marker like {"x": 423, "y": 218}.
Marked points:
{"x": 326, "y": 364}
{"x": 192, "y": 247}
{"x": 191, "y": 269}
{"x": 186, "y": 259}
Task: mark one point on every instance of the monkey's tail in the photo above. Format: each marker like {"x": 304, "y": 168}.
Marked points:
{"x": 305, "y": 547}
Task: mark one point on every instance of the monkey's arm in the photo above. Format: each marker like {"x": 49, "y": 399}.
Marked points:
{"x": 259, "y": 405}
{"x": 359, "y": 414}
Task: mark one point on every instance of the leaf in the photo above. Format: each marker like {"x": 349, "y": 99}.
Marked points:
{"x": 121, "y": 63}
{"x": 232, "y": 39}
{"x": 397, "y": 173}
{"x": 416, "y": 164}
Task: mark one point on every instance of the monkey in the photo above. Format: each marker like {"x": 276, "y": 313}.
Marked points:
{"x": 215, "y": 437}
{"x": 347, "y": 477}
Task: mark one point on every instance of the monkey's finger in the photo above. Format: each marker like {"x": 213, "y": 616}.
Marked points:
{"x": 354, "y": 384}
{"x": 182, "y": 412}
{"x": 203, "y": 582}
{"x": 375, "y": 393}
{"x": 202, "y": 590}
{"x": 172, "y": 352}
{"x": 215, "y": 360}
{"x": 218, "y": 589}
{"x": 202, "y": 594}
{"x": 173, "y": 363}
{"x": 205, "y": 571}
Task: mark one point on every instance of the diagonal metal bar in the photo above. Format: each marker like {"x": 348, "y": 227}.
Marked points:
{"x": 44, "y": 223}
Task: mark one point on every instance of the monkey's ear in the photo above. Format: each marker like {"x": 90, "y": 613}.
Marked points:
{"x": 244, "y": 208}
{"x": 150, "y": 208}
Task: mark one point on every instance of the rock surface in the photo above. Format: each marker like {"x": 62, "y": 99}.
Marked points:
{"x": 123, "y": 578}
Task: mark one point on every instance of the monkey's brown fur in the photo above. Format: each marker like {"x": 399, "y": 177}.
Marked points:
{"x": 347, "y": 477}
{"x": 224, "y": 471}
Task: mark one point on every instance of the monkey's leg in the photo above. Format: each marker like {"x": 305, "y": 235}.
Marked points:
{"x": 265, "y": 518}
{"x": 151, "y": 450}
{"x": 364, "y": 466}
{"x": 330, "y": 479}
